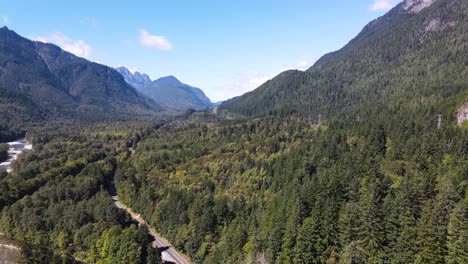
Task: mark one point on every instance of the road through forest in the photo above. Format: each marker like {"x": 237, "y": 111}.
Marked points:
{"x": 169, "y": 254}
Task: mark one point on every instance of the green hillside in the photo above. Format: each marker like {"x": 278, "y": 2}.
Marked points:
{"x": 41, "y": 81}
{"x": 400, "y": 54}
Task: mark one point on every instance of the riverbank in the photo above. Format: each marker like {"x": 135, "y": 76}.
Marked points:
{"x": 10, "y": 250}
{"x": 16, "y": 148}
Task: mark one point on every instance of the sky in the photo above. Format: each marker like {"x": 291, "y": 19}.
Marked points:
{"x": 225, "y": 47}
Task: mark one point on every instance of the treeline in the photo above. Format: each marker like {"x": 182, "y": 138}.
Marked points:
{"x": 57, "y": 202}
{"x": 4, "y": 152}
{"x": 17, "y": 113}
{"x": 388, "y": 187}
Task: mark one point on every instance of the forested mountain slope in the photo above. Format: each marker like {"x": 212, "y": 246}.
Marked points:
{"x": 377, "y": 182}
{"x": 389, "y": 188}
{"x": 41, "y": 81}
{"x": 418, "y": 49}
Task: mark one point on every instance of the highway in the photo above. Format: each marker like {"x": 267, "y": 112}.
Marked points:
{"x": 169, "y": 254}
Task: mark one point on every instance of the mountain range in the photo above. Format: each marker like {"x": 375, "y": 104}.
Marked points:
{"x": 167, "y": 91}
{"x": 417, "y": 49}
{"x": 40, "y": 80}
{"x": 403, "y": 52}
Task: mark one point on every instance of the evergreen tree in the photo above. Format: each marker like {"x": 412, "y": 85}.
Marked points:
{"x": 154, "y": 255}
{"x": 308, "y": 244}
{"x": 457, "y": 242}
{"x": 426, "y": 240}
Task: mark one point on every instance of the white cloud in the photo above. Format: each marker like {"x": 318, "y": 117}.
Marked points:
{"x": 249, "y": 81}
{"x": 244, "y": 82}
{"x": 6, "y": 20}
{"x": 154, "y": 41}
{"x": 383, "y": 5}
{"x": 302, "y": 66}
{"x": 78, "y": 47}
{"x": 238, "y": 84}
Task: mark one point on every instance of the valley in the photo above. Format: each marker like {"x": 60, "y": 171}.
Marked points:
{"x": 361, "y": 158}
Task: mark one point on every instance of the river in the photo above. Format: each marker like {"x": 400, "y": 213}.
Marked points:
{"x": 10, "y": 251}
{"x": 16, "y": 148}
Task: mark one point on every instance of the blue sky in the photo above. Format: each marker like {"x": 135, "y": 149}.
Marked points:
{"x": 225, "y": 47}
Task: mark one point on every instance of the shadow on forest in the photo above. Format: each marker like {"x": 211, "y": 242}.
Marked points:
{"x": 162, "y": 249}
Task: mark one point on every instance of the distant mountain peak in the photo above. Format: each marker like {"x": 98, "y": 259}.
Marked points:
{"x": 171, "y": 92}
{"x": 167, "y": 91}
{"x": 169, "y": 80}
{"x": 136, "y": 79}
{"x": 123, "y": 69}
{"x": 6, "y": 30}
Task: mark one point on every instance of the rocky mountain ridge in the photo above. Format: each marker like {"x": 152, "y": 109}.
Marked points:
{"x": 167, "y": 91}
